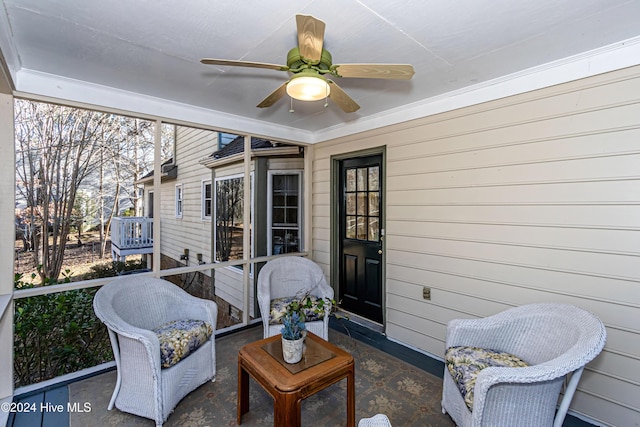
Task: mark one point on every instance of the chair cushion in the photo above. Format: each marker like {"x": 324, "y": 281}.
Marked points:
{"x": 180, "y": 338}
{"x": 278, "y": 308}
{"x": 465, "y": 363}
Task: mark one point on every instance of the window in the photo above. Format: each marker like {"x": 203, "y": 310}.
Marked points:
{"x": 224, "y": 139}
{"x": 284, "y": 211}
{"x": 150, "y": 205}
{"x": 207, "y": 200}
{"x": 179, "y": 196}
{"x": 229, "y": 208}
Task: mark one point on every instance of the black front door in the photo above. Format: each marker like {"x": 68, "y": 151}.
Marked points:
{"x": 361, "y": 236}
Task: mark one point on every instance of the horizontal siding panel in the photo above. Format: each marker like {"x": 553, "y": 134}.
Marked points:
{"x": 596, "y": 240}
{"x": 624, "y": 341}
{"x": 604, "y": 411}
{"x": 620, "y": 391}
{"x": 599, "y": 192}
{"x": 426, "y": 327}
{"x": 465, "y": 275}
{"x": 430, "y": 345}
{"x": 519, "y": 146}
{"x": 506, "y": 286}
{"x": 463, "y": 304}
{"x": 491, "y": 126}
{"x": 320, "y": 221}
{"x": 618, "y": 366}
{"x": 418, "y": 308}
{"x": 589, "y": 216}
{"x": 508, "y": 174}
{"x": 588, "y": 263}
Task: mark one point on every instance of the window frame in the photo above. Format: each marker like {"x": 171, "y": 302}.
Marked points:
{"x": 204, "y": 200}
{"x": 179, "y": 200}
{"x": 270, "y": 228}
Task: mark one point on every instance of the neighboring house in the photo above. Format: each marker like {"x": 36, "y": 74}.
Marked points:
{"x": 206, "y": 218}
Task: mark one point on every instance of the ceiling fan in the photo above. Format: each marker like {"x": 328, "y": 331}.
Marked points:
{"x": 310, "y": 64}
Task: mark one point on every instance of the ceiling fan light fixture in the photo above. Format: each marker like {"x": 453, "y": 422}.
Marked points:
{"x": 308, "y": 88}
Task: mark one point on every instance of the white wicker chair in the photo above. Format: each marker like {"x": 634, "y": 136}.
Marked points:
{"x": 378, "y": 420}
{"x": 130, "y": 308}
{"x": 556, "y": 340}
{"x": 289, "y": 276}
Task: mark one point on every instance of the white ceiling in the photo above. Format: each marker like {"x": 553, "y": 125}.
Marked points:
{"x": 137, "y": 55}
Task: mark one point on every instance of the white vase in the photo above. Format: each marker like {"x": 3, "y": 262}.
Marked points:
{"x": 292, "y": 350}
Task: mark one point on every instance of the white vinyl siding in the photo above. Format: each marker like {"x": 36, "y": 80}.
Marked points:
{"x": 189, "y": 232}
{"x": 531, "y": 198}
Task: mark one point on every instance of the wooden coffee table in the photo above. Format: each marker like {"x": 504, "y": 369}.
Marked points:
{"x": 322, "y": 365}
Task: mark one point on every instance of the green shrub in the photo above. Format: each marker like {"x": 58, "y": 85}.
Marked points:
{"x": 114, "y": 268}
{"x": 58, "y": 333}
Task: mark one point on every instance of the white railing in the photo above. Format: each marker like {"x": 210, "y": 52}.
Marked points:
{"x": 132, "y": 232}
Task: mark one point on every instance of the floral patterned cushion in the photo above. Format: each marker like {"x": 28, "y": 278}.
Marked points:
{"x": 279, "y": 308}
{"x": 180, "y": 338}
{"x": 465, "y": 363}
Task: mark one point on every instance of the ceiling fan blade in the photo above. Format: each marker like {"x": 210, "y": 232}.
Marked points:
{"x": 341, "y": 98}
{"x": 274, "y": 96}
{"x": 310, "y": 37}
{"x": 375, "y": 71}
{"x": 211, "y": 61}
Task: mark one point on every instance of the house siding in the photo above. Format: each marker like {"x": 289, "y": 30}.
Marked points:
{"x": 530, "y": 198}
{"x": 191, "y": 231}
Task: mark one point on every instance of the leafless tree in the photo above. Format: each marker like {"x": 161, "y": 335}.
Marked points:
{"x": 55, "y": 148}
{"x": 77, "y": 167}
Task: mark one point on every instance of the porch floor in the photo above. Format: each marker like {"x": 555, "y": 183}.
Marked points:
{"x": 390, "y": 379}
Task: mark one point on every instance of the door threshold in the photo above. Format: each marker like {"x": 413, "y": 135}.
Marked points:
{"x": 362, "y": 321}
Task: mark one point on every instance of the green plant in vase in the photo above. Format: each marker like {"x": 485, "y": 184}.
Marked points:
{"x": 293, "y": 333}
{"x": 293, "y": 327}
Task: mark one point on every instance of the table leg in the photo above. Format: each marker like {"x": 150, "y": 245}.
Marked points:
{"x": 243, "y": 392}
{"x": 286, "y": 410}
{"x": 351, "y": 399}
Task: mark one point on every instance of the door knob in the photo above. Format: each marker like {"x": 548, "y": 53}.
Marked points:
{"x": 379, "y": 251}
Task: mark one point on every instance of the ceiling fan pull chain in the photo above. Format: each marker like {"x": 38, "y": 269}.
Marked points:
{"x": 291, "y": 109}
{"x": 326, "y": 96}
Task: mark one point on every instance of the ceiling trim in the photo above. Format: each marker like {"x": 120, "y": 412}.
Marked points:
{"x": 37, "y": 84}
{"x": 609, "y": 58}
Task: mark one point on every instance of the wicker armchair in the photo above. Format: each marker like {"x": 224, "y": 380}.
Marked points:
{"x": 378, "y": 420}
{"x": 555, "y": 340}
{"x": 290, "y": 276}
{"x": 131, "y": 308}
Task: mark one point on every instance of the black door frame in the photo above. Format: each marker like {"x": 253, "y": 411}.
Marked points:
{"x": 335, "y": 194}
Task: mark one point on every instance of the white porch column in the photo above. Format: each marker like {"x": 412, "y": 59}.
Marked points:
{"x": 157, "y": 196}
{"x": 246, "y": 232}
{"x": 308, "y": 197}
{"x": 7, "y": 253}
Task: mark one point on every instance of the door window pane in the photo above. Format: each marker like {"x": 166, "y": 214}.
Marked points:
{"x": 362, "y": 228}
{"x": 362, "y": 179}
{"x": 374, "y": 229}
{"x": 374, "y": 203}
{"x": 351, "y": 204}
{"x": 351, "y": 227}
{"x": 374, "y": 173}
{"x": 351, "y": 180}
{"x": 362, "y": 203}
